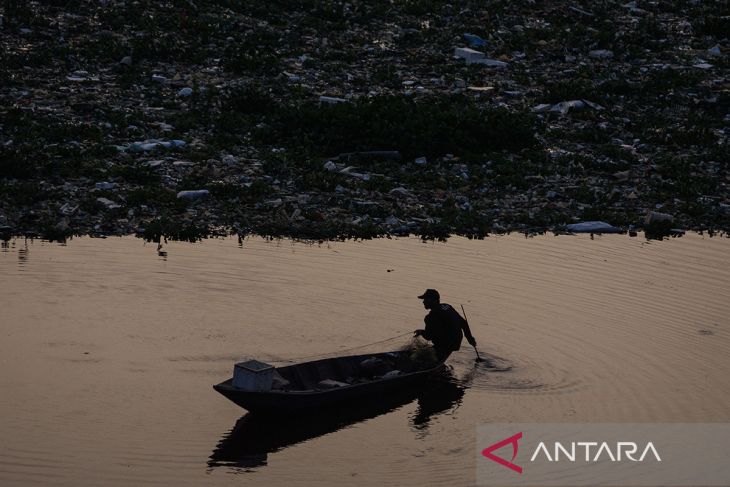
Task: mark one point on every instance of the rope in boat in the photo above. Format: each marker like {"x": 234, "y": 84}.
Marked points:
{"x": 325, "y": 355}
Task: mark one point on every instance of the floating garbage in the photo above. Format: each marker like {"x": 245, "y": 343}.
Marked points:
{"x": 81, "y": 75}
{"x": 392, "y": 221}
{"x": 468, "y": 54}
{"x": 154, "y": 164}
{"x": 658, "y": 225}
{"x": 600, "y": 54}
{"x": 654, "y": 217}
{"x": 274, "y": 203}
{"x": 349, "y": 171}
{"x": 474, "y": 40}
{"x": 580, "y": 11}
{"x": 110, "y": 205}
{"x": 472, "y": 56}
{"x": 566, "y": 106}
{"x": 193, "y": 194}
{"x": 229, "y": 160}
{"x": 331, "y": 100}
{"x": 489, "y": 62}
{"x": 483, "y": 89}
{"x": 242, "y": 129}
{"x": 151, "y": 144}
{"x": 593, "y": 227}
{"x": 633, "y": 8}
{"x": 399, "y": 192}
{"x": 392, "y": 155}
{"x": 68, "y": 209}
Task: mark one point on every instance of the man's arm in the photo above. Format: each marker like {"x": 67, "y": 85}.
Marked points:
{"x": 427, "y": 332}
{"x": 465, "y": 328}
{"x": 467, "y": 333}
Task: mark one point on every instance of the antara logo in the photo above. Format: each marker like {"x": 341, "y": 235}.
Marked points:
{"x": 487, "y": 452}
{"x": 623, "y": 450}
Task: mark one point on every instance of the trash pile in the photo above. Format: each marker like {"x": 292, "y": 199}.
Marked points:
{"x": 336, "y": 119}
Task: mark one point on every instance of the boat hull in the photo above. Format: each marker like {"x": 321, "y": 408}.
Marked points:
{"x": 282, "y": 401}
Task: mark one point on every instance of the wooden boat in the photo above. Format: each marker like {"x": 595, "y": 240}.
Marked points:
{"x": 310, "y": 383}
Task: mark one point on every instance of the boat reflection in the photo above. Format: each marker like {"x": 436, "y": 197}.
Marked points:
{"x": 254, "y": 437}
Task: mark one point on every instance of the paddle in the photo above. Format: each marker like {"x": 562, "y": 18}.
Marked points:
{"x": 478, "y": 359}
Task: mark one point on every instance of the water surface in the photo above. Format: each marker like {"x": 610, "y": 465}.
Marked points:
{"x": 109, "y": 351}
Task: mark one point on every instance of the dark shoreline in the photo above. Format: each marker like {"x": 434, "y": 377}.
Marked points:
{"x": 662, "y": 234}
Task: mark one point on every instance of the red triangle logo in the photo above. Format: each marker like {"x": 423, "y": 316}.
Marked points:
{"x": 487, "y": 452}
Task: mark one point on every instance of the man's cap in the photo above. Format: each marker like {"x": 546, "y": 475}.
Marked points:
{"x": 430, "y": 294}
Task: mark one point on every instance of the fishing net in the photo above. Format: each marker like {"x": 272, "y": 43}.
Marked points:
{"x": 422, "y": 354}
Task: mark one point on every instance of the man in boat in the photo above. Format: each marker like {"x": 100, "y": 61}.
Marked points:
{"x": 445, "y": 327}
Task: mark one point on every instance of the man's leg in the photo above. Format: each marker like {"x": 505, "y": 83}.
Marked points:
{"x": 442, "y": 354}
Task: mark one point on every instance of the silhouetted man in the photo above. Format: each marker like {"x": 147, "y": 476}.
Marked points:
{"x": 444, "y": 325}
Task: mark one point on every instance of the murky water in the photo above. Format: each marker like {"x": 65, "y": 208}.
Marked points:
{"x": 109, "y": 351}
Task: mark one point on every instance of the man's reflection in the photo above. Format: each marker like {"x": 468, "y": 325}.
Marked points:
{"x": 442, "y": 396}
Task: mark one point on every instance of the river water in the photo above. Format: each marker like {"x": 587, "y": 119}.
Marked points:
{"x": 109, "y": 351}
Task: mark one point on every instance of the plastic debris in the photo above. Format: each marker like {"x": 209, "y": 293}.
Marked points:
{"x": 193, "y": 194}
{"x": 566, "y": 106}
{"x": 474, "y": 40}
{"x": 110, "y": 205}
{"x": 399, "y": 192}
{"x": 593, "y": 227}
{"x": 81, "y": 75}
{"x": 151, "y": 144}
{"x": 68, "y": 209}
{"x": 656, "y": 217}
{"x": 489, "y": 62}
{"x": 331, "y": 100}
{"x": 481, "y": 88}
{"x": 600, "y": 54}
{"x": 468, "y": 54}
{"x": 580, "y": 11}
